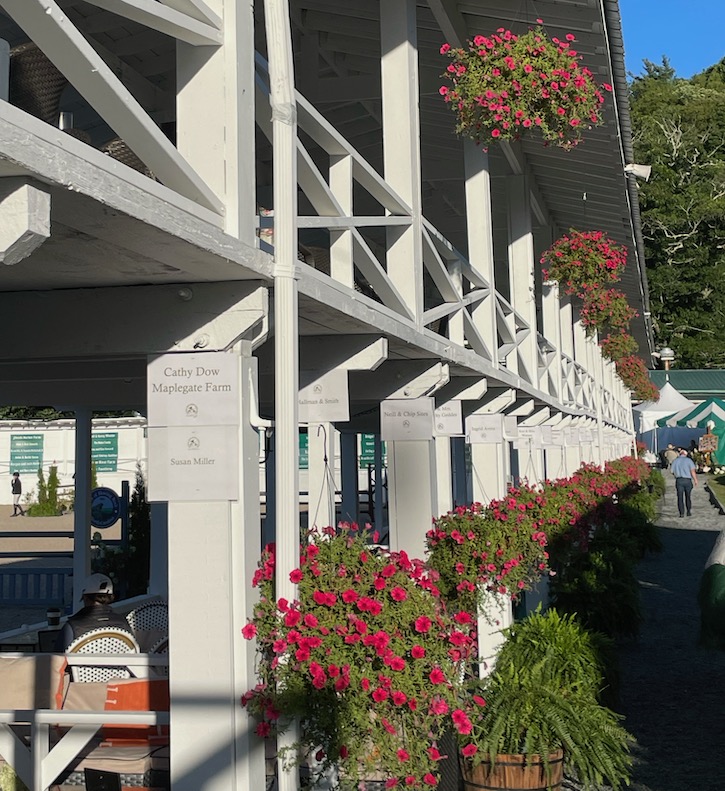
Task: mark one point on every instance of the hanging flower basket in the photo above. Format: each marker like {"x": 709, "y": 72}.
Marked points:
{"x": 617, "y": 345}
{"x": 583, "y": 259}
{"x": 506, "y": 85}
{"x": 605, "y": 308}
{"x": 633, "y": 373}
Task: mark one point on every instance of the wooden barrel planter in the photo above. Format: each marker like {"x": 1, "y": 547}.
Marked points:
{"x": 516, "y": 773}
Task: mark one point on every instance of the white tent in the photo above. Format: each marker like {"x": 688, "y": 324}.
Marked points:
{"x": 648, "y": 413}
{"x": 670, "y": 401}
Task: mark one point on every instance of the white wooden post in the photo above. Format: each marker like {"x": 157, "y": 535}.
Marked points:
{"x": 412, "y": 494}
{"x": 521, "y": 271}
{"x": 401, "y": 144}
{"x": 444, "y": 475}
{"x": 491, "y": 467}
{"x": 215, "y": 122}
{"x": 82, "y": 503}
{"x": 321, "y": 475}
{"x": 213, "y": 550}
{"x": 286, "y": 331}
{"x": 479, "y": 225}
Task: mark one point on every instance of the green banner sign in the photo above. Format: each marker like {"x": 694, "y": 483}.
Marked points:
{"x": 367, "y": 451}
{"x": 304, "y": 451}
{"x": 26, "y": 452}
{"x": 104, "y": 451}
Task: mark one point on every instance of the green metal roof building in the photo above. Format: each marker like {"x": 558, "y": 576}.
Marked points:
{"x": 694, "y": 384}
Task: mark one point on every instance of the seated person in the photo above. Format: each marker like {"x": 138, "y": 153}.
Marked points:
{"x": 96, "y": 612}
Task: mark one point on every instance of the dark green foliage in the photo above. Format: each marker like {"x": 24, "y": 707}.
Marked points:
{"x": 599, "y": 585}
{"x": 48, "y": 503}
{"x": 600, "y": 588}
{"x": 679, "y": 126}
{"x": 577, "y": 659}
{"x": 542, "y": 696}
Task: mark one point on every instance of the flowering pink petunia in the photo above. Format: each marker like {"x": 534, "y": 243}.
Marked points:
{"x": 423, "y": 624}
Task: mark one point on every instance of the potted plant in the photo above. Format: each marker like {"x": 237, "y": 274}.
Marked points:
{"x": 366, "y": 659}
{"x": 505, "y": 85}
{"x": 605, "y": 308}
{"x": 538, "y": 712}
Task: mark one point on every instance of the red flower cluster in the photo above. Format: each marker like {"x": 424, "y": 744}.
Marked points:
{"x": 495, "y": 548}
{"x": 506, "y": 85}
{"x": 583, "y": 260}
{"x": 583, "y": 263}
{"x": 366, "y": 658}
{"x": 633, "y": 373}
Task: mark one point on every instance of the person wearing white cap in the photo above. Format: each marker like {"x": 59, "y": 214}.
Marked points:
{"x": 96, "y": 612}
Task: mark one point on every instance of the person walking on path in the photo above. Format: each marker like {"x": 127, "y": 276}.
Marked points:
{"x": 17, "y": 489}
{"x": 685, "y": 472}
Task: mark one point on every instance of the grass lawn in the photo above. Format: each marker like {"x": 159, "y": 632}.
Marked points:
{"x": 717, "y": 485}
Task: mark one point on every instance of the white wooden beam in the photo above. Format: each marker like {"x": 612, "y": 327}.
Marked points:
{"x": 24, "y": 219}
{"x": 197, "y": 9}
{"x": 349, "y": 353}
{"x": 158, "y": 16}
{"x": 204, "y": 315}
{"x": 450, "y": 20}
{"x": 45, "y": 22}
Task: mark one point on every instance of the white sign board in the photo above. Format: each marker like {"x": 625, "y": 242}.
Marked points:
{"x": 325, "y": 400}
{"x": 448, "y": 419}
{"x": 193, "y": 463}
{"x": 531, "y": 435}
{"x": 484, "y": 429}
{"x": 194, "y": 389}
{"x": 557, "y": 437}
{"x": 546, "y": 432}
{"x": 406, "y": 419}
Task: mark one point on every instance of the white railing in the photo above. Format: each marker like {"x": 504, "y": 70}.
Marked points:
{"x": 38, "y": 764}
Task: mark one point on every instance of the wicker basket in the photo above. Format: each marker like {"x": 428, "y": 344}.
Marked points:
{"x": 35, "y": 84}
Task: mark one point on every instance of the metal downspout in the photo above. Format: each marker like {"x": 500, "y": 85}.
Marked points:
{"x": 286, "y": 340}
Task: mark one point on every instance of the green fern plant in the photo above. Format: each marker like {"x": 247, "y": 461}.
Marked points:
{"x": 543, "y": 697}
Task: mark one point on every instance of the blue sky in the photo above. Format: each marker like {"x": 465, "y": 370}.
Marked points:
{"x": 689, "y": 32}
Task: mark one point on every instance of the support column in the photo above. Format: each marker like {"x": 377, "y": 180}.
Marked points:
{"x": 270, "y": 490}
{"x": 479, "y": 224}
{"x": 401, "y": 145}
{"x": 82, "y": 503}
{"x": 321, "y": 475}
{"x": 212, "y": 556}
{"x": 444, "y": 475}
{"x": 490, "y": 471}
{"x": 461, "y": 494}
{"x": 412, "y": 500}
{"x": 159, "y": 562}
{"x": 215, "y": 114}
{"x": 521, "y": 271}
{"x": 348, "y": 473}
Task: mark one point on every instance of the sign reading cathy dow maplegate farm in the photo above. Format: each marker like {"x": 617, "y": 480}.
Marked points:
{"x": 199, "y": 389}
{"x": 193, "y": 415}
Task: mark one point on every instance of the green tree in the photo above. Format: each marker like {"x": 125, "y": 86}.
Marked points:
{"x": 679, "y": 129}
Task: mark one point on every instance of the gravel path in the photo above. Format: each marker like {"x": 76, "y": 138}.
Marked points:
{"x": 672, "y": 692}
